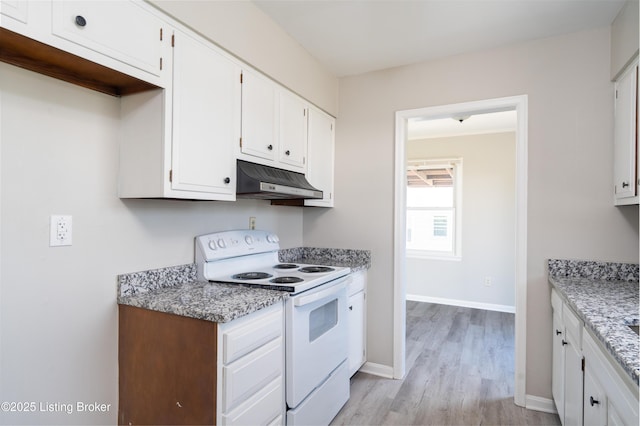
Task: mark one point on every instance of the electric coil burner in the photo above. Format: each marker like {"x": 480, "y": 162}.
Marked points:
{"x": 286, "y": 266}
{"x": 316, "y": 269}
{"x": 286, "y": 280}
{"x": 251, "y": 276}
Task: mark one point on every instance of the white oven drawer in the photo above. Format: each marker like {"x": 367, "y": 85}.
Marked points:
{"x": 263, "y": 408}
{"x": 249, "y": 335}
{"x": 251, "y": 373}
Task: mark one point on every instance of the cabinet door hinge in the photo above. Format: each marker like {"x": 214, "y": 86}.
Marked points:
{"x": 240, "y": 78}
{"x": 240, "y": 142}
{"x": 173, "y": 40}
{"x": 160, "y": 34}
{"x": 160, "y": 64}
{"x": 171, "y": 175}
{"x": 304, "y": 160}
{"x": 582, "y": 363}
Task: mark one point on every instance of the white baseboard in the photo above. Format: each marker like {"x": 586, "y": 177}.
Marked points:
{"x": 540, "y": 404}
{"x": 377, "y": 370}
{"x": 462, "y": 303}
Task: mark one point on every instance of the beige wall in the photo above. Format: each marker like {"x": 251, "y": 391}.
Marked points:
{"x": 244, "y": 30}
{"x": 570, "y": 207}
{"x": 487, "y": 226}
{"x": 59, "y": 149}
{"x": 625, "y": 37}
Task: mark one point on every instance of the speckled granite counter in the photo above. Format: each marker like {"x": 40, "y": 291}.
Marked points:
{"x": 605, "y": 297}
{"x": 175, "y": 290}
{"x": 354, "y": 259}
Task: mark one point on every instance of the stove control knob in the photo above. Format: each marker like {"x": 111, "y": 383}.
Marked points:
{"x": 248, "y": 239}
{"x": 272, "y": 238}
{"x": 212, "y": 245}
{"x": 221, "y": 243}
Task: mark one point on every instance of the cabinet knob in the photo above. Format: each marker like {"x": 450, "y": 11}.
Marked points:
{"x": 593, "y": 401}
{"x": 227, "y": 180}
{"x": 351, "y": 308}
{"x": 80, "y": 21}
{"x": 558, "y": 332}
{"x": 625, "y": 184}
{"x": 564, "y": 342}
{"x": 287, "y": 152}
{"x": 270, "y": 147}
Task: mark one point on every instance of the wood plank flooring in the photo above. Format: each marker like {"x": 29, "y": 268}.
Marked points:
{"x": 460, "y": 371}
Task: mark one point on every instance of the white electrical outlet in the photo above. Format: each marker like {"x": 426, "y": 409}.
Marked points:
{"x": 252, "y": 222}
{"x": 488, "y": 281}
{"x": 60, "y": 231}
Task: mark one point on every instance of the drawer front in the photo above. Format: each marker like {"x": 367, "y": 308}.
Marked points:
{"x": 249, "y": 374}
{"x": 120, "y": 30}
{"x": 573, "y": 325}
{"x": 263, "y": 408}
{"x": 556, "y": 302}
{"x": 241, "y": 340}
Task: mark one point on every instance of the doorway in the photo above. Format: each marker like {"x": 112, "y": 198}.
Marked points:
{"x": 519, "y": 104}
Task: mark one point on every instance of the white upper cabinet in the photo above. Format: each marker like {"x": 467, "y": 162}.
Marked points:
{"x": 259, "y": 117}
{"x": 321, "y": 137}
{"x": 206, "y": 103}
{"x": 179, "y": 142}
{"x": 122, "y": 30}
{"x": 292, "y": 130}
{"x": 274, "y": 124}
{"x": 625, "y": 137}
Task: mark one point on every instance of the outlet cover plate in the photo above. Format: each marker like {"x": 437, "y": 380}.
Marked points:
{"x": 60, "y": 230}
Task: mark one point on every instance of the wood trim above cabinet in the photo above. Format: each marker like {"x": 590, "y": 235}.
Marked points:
{"x": 167, "y": 368}
{"x": 21, "y": 51}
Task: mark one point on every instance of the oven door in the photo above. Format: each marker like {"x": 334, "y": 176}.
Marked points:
{"x": 316, "y": 341}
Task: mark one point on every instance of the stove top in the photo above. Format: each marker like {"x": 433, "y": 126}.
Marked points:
{"x": 250, "y": 257}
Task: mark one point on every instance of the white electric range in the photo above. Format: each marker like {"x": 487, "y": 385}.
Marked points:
{"x": 317, "y": 378}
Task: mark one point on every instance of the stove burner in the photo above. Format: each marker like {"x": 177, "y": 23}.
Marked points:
{"x": 286, "y": 280}
{"x": 316, "y": 269}
{"x": 251, "y": 276}
{"x": 285, "y": 266}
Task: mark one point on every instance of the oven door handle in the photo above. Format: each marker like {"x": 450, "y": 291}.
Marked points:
{"x": 314, "y": 297}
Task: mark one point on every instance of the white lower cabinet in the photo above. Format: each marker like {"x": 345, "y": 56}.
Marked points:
{"x": 357, "y": 291}
{"x": 609, "y": 398}
{"x": 587, "y": 387}
{"x": 251, "y": 369}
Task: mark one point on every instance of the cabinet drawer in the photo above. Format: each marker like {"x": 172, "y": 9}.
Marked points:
{"x": 121, "y": 30}
{"x": 263, "y": 408}
{"x": 251, "y": 373}
{"x": 556, "y": 302}
{"x": 240, "y": 340}
{"x": 572, "y": 324}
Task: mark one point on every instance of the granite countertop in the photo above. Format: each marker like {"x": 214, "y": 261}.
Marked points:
{"x": 175, "y": 290}
{"x": 606, "y": 298}
{"x": 357, "y": 260}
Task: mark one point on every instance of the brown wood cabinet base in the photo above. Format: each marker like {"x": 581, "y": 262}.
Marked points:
{"x": 167, "y": 368}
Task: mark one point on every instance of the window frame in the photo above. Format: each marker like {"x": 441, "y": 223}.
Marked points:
{"x": 456, "y": 163}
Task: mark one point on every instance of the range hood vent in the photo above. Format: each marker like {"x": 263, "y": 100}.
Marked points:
{"x": 269, "y": 183}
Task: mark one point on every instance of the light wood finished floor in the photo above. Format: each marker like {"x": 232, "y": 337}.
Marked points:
{"x": 460, "y": 371}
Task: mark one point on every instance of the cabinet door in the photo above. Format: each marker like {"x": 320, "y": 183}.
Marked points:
{"x": 557, "y": 367}
{"x": 595, "y": 400}
{"x": 293, "y": 131}
{"x": 122, "y": 30}
{"x": 356, "y": 332}
{"x": 205, "y": 118}
{"x": 573, "y": 382}
{"x": 259, "y": 116}
{"x": 321, "y": 156}
{"x": 16, "y": 9}
{"x": 625, "y": 138}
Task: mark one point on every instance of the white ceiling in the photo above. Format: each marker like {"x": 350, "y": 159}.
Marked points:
{"x": 495, "y": 122}
{"x": 351, "y": 37}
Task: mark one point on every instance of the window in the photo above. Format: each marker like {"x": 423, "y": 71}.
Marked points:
{"x": 434, "y": 189}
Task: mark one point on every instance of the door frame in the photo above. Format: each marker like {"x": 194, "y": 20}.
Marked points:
{"x": 520, "y": 105}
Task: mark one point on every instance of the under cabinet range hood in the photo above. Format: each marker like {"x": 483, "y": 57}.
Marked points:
{"x": 269, "y": 183}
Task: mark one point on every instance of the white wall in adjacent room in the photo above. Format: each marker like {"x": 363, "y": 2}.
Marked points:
{"x": 487, "y": 225}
